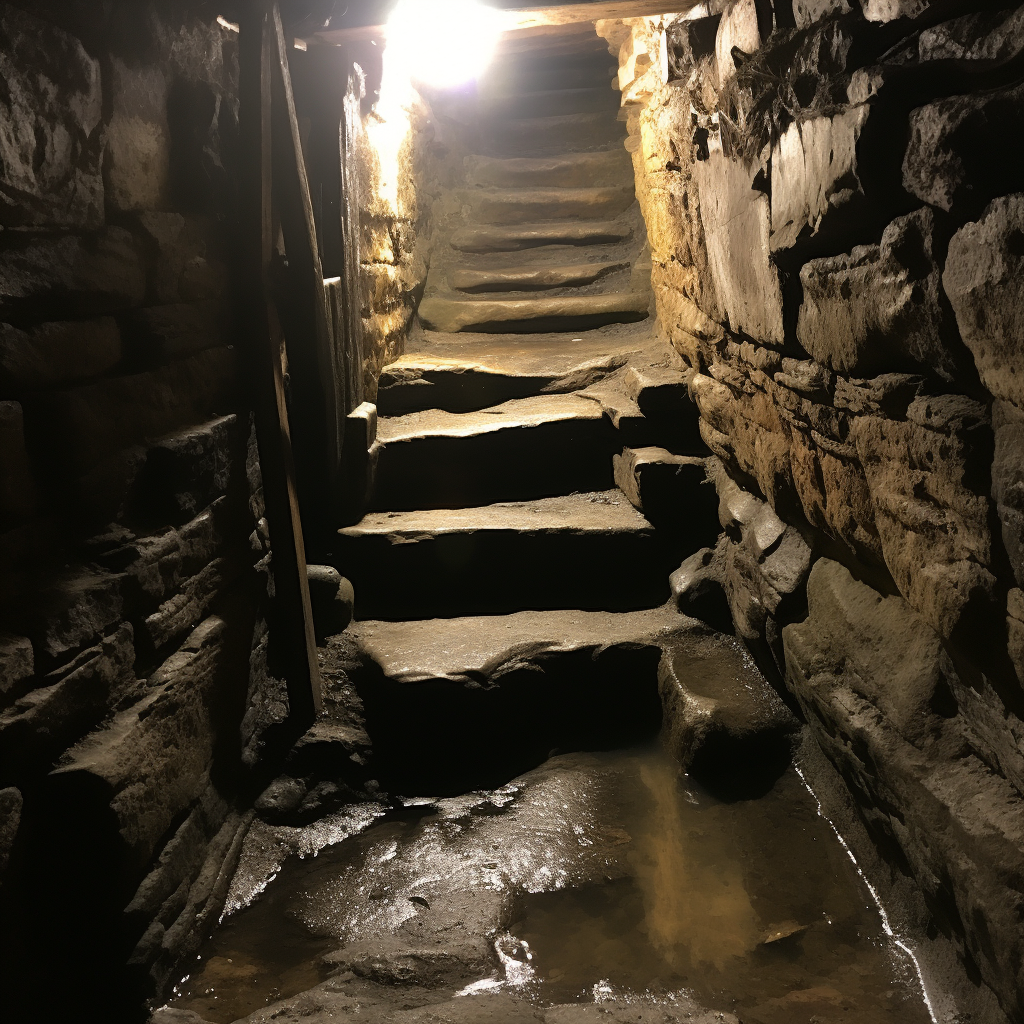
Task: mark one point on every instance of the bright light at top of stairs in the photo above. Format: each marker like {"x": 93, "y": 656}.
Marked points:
{"x": 443, "y": 43}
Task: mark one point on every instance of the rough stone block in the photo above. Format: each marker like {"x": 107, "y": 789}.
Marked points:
{"x": 966, "y": 150}
{"x": 670, "y": 490}
{"x": 185, "y": 269}
{"x": 932, "y": 526}
{"x": 138, "y": 154}
{"x": 17, "y": 663}
{"x": 332, "y": 598}
{"x": 984, "y": 279}
{"x": 57, "y": 353}
{"x": 96, "y": 274}
{"x": 40, "y": 726}
{"x": 84, "y": 425}
{"x": 879, "y": 308}
{"x": 738, "y": 28}
{"x": 737, "y": 223}
{"x": 159, "y": 334}
{"x": 75, "y": 610}
{"x": 809, "y": 12}
{"x": 725, "y": 725}
{"x": 51, "y": 108}
{"x": 10, "y": 820}
{"x": 152, "y": 760}
{"x": 1008, "y": 481}
{"x": 987, "y": 35}
{"x": 18, "y": 496}
{"x": 884, "y": 11}
{"x": 1015, "y": 631}
{"x": 180, "y": 612}
{"x": 698, "y": 588}
{"x": 816, "y": 178}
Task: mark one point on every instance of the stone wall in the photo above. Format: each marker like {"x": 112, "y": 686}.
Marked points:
{"x": 833, "y": 192}
{"x": 126, "y": 568}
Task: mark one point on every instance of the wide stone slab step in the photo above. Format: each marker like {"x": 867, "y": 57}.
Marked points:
{"x": 526, "y": 448}
{"x": 549, "y": 102}
{"x": 568, "y": 170}
{"x": 502, "y": 206}
{"x": 526, "y": 278}
{"x": 566, "y": 312}
{"x": 537, "y": 136}
{"x": 467, "y": 372}
{"x": 512, "y": 238}
{"x": 590, "y": 551}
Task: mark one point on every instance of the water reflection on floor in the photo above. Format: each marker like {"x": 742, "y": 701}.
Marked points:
{"x": 752, "y": 907}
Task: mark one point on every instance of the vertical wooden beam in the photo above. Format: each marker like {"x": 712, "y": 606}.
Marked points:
{"x": 314, "y": 380}
{"x": 351, "y": 125}
{"x": 293, "y": 615}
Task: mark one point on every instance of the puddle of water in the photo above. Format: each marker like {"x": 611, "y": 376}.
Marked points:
{"x": 613, "y": 877}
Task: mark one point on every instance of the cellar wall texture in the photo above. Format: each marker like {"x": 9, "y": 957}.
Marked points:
{"x": 834, "y": 194}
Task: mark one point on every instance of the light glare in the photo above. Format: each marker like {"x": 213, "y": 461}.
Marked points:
{"x": 443, "y": 43}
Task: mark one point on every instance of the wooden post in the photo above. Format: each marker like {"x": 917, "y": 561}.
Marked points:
{"x": 318, "y": 419}
{"x": 292, "y": 611}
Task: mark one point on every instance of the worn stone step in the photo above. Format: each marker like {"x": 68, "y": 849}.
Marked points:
{"x": 587, "y": 550}
{"x": 525, "y": 448}
{"x": 548, "y": 102}
{"x": 466, "y": 372}
{"x": 522, "y": 75}
{"x": 601, "y": 167}
{"x": 671, "y": 490}
{"x": 565, "y": 312}
{"x": 515, "y": 237}
{"x": 504, "y": 206}
{"x": 527, "y": 278}
{"x": 536, "y": 136}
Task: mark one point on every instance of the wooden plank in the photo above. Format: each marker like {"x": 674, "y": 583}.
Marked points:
{"x": 317, "y": 419}
{"x": 292, "y": 612}
{"x": 536, "y": 17}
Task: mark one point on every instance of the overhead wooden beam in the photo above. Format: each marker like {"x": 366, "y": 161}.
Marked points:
{"x": 292, "y": 612}
{"x": 537, "y": 17}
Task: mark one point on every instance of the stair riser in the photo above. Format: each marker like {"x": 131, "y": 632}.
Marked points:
{"x": 463, "y": 391}
{"x": 463, "y": 320}
{"x": 551, "y": 103}
{"x": 530, "y": 138}
{"x": 611, "y": 167}
{"x": 481, "y": 240}
{"x": 524, "y": 279}
{"x": 513, "y": 464}
{"x": 497, "y": 572}
{"x": 507, "y": 209}
{"x": 438, "y": 737}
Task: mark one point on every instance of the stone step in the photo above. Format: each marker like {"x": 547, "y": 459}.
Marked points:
{"x": 512, "y": 76}
{"x": 601, "y": 167}
{"x": 466, "y": 372}
{"x": 591, "y": 551}
{"x": 563, "y": 312}
{"x": 516, "y": 237}
{"x": 528, "y": 278}
{"x": 526, "y": 448}
{"x": 504, "y": 206}
{"x": 537, "y": 136}
{"x": 548, "y": 102}
{"x": 671, "y": 490}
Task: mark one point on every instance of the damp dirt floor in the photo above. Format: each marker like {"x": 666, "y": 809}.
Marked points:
{"x": 597, "y": 877}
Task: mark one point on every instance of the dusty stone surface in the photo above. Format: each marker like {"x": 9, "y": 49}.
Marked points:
{"x": 52, "y": 149}
{"x": 880, "y": 307}
{"x": 17, "y": 662}
{"x": 52, "y": 354}
{"x": 982, "y": 279}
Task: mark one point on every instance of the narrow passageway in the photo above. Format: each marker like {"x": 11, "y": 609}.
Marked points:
{"x": 533, "y": 854}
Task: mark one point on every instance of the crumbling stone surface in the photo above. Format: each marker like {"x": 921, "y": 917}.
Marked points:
{"x": 51, "y": 147}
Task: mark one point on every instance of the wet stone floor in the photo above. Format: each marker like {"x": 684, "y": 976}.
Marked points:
{"x": 598, "y": 880}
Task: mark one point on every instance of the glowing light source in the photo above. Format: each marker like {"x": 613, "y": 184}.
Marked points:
{"x": 443, "y": 43}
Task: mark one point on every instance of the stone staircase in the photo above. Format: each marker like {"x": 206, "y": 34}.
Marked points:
{"x": 538, "y": 466}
